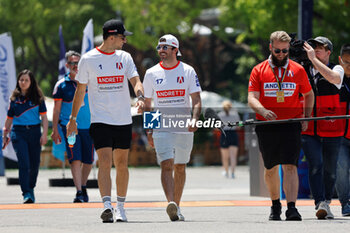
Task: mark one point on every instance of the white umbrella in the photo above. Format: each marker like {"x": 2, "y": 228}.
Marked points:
{"x": 214, "y": 100}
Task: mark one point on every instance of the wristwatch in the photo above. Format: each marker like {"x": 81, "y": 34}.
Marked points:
{"x": 72, "y": 118}
{"x": 141, "y": 97}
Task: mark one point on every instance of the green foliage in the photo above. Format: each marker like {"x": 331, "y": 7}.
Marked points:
{"x": 149, "y": 19}
{"x": 34, "y": 28}
{"x": 258, "y": 18}
{"x": 222, "y": 60}
{"x": 331, "y": 19}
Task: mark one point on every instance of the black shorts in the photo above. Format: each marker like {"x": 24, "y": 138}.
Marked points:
{"x": 279, "y": 143}
{"x": 231, "y": 139}
{"x": 115, "y": 136}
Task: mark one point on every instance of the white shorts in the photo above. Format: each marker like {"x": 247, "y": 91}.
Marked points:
{"x": 173, "y": 146}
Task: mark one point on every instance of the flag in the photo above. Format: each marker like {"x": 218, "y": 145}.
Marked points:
{"x": 58, "y": 150}
{"x": 88, "y": 38}
{"x": 7, "y": 83}
{"x": 62, "y": 69}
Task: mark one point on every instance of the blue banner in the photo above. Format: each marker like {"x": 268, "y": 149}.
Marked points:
{"x": 62, "y": 70}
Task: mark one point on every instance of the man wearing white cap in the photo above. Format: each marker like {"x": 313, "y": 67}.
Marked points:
{"x": 172, "y": 84}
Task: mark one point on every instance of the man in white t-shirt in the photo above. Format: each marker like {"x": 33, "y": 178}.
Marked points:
{"x": 172, "y": 84}
{"x": 106, "y": 71}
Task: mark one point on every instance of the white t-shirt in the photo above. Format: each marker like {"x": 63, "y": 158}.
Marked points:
{"x": 170, "y": 89}
{"x": 338, "y": 68}
{"x": 107, "y": 75}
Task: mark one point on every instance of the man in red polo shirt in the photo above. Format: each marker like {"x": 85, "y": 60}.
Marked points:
{"x": 274, "y": 92}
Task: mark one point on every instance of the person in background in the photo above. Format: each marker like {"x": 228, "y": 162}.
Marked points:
{"x": 342, "y": 183}
{"x": 273, "y": 93}
{"x": 229, "y": 141}
{"x": 27, "y": 106}
{"x": 321, "y": 140}
{"x": 81, "y": 155}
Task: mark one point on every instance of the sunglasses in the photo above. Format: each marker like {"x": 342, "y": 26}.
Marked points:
{"x": 73, "y": 63}
{"x": 281, "y": 50}
{"x": 164, "y": 47}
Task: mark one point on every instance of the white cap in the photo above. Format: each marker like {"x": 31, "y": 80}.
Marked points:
{"x": 171, "y": 40}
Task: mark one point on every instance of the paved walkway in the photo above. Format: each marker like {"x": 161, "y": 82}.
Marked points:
{"x": 211, "y": 203}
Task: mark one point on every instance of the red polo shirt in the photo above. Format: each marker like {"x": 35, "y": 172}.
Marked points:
{"x": 263, "y": 80}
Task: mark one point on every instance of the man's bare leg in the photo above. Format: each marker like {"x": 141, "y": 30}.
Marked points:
{"x": 120, "y": 157}
{"x": 104, "y": 171}
{"x": 167, "y": 179}
{"x": 179, "y": 181}
{"x": 75, "y": 168}
{"x": 105, "y": 183}
{"x": 290, "y": 182}
{"x": 272, "y": 180}
{"x": 85, "y": 172}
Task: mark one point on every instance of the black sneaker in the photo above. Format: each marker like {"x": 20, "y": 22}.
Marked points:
{"x": 27, "y": 198}
{"x": 85, "y": 195}
{"x": 275, "y": 214}
{"x": 292, "y": 214}
{"x": 79, "y": 198}
{"x": 107, "y": 215}
{"x": 172, "y": 210}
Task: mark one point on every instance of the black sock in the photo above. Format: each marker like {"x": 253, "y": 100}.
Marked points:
{"x": 291, "y": 205}
{"x": 79, "y": 193}
{"x": 276, "y": 202}
{"x": 83, "y": 189}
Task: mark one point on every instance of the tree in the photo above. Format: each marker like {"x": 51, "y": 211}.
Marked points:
{"x": 239, "y": 36}
{"x": 256, "y": 19}
{"x": 34, "y": 28}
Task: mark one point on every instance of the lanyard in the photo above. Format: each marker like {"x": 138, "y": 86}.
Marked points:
{"x": 279, "y": 83}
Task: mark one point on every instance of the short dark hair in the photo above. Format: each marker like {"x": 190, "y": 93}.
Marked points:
{"x": 107, "y": 34}
{"x": 72, "y": 53}
{"x": 345, "y": 49}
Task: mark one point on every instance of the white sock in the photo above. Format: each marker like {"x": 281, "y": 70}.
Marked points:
{"x": 120, "y": 201}
{"x": 107, "y": 202}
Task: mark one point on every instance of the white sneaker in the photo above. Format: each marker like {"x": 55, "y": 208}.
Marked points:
{"x": 322, "y": 210}
{"x": 181, "y": 217}
{"x": 329, "y": 213}
{"x": 107, "y": 215}
{"x": 172, "y": 210}
{"x": 120, "y": 214}
{"x": 224, "y": 173}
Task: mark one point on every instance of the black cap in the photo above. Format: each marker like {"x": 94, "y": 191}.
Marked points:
{"x": 114, "y": 26}
{"x": 322, "y": 40}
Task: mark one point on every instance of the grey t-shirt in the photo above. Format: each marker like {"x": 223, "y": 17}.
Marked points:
{"x": 232, "y": 117}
